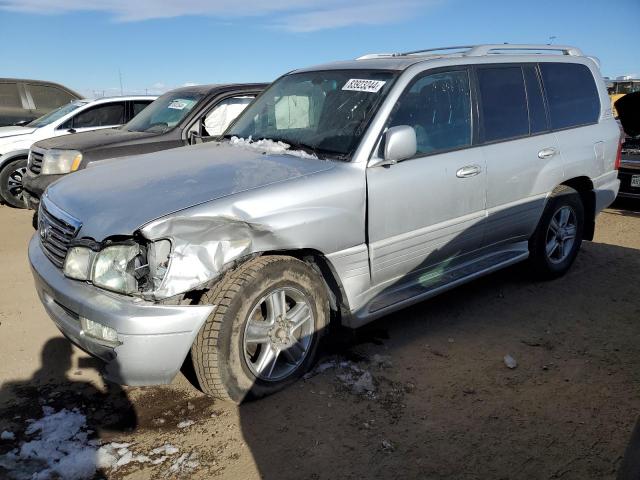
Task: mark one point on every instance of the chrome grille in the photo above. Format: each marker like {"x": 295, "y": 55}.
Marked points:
{"x": 56, "y": 230}
{"x": 35, "y": 162}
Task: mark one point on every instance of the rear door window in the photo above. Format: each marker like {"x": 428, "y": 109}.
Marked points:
{"x": 111, "y": 114}
{"x": 48, "y": 97}
{"x": 503, "y": 103}
{"x": 572, "y": 95}
{"x": 9, "y": 95}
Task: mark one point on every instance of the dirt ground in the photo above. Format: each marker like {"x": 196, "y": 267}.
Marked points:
{"x": 443, "y": 404}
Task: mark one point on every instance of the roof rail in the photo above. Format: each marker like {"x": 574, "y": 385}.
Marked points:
{"x": 480, "y": 50}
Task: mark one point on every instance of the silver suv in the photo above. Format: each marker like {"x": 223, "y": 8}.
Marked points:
{"x": 344, "y": 191}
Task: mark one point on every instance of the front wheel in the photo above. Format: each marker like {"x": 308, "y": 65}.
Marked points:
{"x": 263, "y": 335}
{"x": 558, "y": 237}
{"x": 11, "y": 189}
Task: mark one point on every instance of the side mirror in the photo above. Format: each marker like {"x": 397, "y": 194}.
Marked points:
{"x": 194, "y": 138}
{"x": 400, "y": 143}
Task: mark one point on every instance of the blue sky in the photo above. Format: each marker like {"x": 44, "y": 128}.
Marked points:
{"x": 158, "y": 44}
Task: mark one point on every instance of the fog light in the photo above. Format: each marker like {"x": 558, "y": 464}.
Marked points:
{"x": 97, "y": 330}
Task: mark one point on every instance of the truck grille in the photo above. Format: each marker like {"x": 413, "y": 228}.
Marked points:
{"x": 35, "y": 164}
{"x": 56, "y": 231}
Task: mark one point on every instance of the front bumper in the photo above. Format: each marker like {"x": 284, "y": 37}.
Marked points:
{"x": 153, "y": 339}
{"x": 34, "y": 187}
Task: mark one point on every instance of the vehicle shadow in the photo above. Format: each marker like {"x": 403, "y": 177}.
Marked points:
{"x": 445, "y": 405}
{"x": 626, "y": 206}
{"x": 54, "y": 420}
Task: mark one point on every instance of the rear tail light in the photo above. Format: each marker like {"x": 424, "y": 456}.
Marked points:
{"x": 616, "y": 166}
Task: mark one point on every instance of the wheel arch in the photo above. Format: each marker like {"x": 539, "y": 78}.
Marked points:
{"x": 318, "y": 261}
{"x": 584, "y": 186}
{"x": 11, "y": 156}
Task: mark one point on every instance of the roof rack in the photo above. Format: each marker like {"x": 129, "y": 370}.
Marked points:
{"x": 481, "y": 50}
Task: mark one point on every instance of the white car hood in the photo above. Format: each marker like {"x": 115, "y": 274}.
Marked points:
{"x": 14, "y": 131}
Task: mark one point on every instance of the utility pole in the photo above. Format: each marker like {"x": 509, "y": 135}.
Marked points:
{"x": 120, "y": 75}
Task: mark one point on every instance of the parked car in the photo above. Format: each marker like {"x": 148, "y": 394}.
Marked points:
{"x": 345, "y": 191}
{"x": 74, "y": 117}
{"x": 628, "y": 108}
{"x": 179, "y": 117}
{"x": 22, "y": 101}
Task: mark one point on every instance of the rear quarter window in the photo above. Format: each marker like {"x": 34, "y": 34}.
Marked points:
{"x": 572, "y": 95}
{"x": 9, "y": 96}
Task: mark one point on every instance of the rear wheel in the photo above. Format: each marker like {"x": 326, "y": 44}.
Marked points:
{"x": 558, "y": 237}
{"x": 11, "y": 188}
{"x": 264, "y": 333}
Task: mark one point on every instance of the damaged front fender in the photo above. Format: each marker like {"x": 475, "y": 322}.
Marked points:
{"x": 203, "y": 247}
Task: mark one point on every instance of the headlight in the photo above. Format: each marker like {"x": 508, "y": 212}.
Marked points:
{"x": 60, "y": 161}
{"x": 78, "y": 263}
{"x": 125, "y": 268}
{"x": 115, "y": 268}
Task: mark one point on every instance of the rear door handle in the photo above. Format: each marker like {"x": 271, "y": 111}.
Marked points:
{"x": 468, "y": 171}
{"x": 546, "y": 153}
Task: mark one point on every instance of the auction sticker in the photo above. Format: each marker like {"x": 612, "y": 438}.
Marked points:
{"x": 180, "y": 104}
{"x": 360, "y": 85}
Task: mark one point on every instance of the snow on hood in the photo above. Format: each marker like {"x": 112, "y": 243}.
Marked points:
{"x": 14, "y": 131}
{"x": 270, "y": 147}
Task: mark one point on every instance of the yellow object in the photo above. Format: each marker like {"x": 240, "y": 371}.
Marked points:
{"x": 76, "y": 162}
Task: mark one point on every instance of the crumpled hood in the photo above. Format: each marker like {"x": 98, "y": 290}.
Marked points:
{"x": 87, "y": 141}
{"x": 12, "y": 131}
{"x": 628, "y": 108}
{"x": 117, "y": 198}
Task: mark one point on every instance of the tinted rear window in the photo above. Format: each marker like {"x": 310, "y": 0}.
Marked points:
{"x": 48, "y": 97}
{"x": 571, "y": 94}
{"x": 503, "y": 103}
{"x": 9, "y": 96}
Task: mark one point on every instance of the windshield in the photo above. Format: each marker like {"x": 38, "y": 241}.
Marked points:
{"x": 164, "y": 113}
{"x": 322, "y": 112}
{"x": 56, "y": 114}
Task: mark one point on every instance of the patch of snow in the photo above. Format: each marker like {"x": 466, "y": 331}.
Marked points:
{"x": 270, "y": 147}
{"x": 7, "y": 435}
{"x": 184, "y": 464}
{"x": 166, "y": 449}
{"x": 186, "y": 423}
{"x": 58, "y": 448}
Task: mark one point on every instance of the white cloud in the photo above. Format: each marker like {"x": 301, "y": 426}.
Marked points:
{"x": 289, "y": 15}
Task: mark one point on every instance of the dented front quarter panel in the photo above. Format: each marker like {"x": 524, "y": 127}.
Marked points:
{"x": 324, "y": 211}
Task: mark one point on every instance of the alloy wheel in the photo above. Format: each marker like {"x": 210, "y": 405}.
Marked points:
{"x": 561, "y": 234}
{"x": 278, "y": 334}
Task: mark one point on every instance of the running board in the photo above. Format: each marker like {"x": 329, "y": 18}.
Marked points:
{"x": 431, "y": 283}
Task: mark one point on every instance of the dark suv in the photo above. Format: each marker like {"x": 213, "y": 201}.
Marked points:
{"x": 24, "y": 100}
{"x": 180, "y": 117}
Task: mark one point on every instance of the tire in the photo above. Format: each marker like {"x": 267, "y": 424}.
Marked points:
{"x": 231, "y": 355}
{"x": 11, "y": 183}
{"x": 554, "y": 246}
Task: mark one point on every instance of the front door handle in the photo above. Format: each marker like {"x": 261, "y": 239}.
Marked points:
{"x": 468, "y": 171}
{"x": 546, "y": 153}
